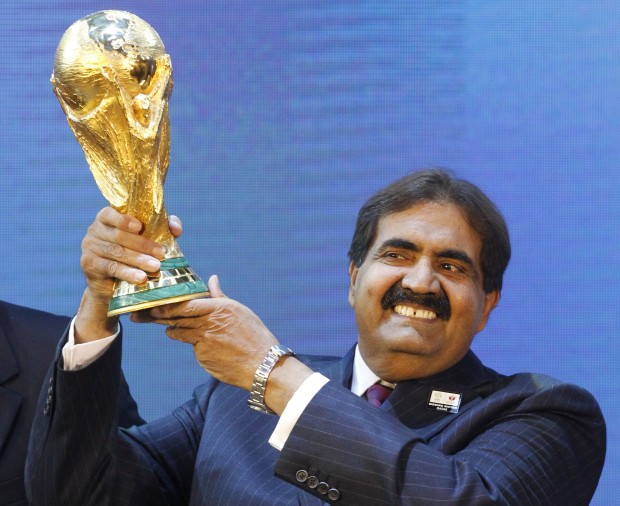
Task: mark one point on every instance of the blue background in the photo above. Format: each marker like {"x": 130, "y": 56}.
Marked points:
{"x": 287, "y": 115}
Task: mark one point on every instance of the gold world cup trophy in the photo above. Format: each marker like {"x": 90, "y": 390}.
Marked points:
{"x": 113, "y": 79}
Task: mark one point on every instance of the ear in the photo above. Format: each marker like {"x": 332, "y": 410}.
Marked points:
{"x": 353, "y": 270}
{"x": 490, "y": 301}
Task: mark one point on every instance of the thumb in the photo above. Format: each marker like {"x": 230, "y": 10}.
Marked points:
{"x": 214, "y": 287}
{"x": 175, "y": 225}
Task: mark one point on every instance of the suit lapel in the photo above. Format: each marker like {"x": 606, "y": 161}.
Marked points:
{"x": 10, "y": 401}
{"x": 410, "y": 400}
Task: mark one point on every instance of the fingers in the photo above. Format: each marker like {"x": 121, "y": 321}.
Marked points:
{"x": 113, "y": 248}
{"x": 228, "y": 338}
{"x": 181, "y": 314}
{"x": 96, "y": 266}
{"x": 175, "y": 225}
{"x": 111, "y": 217}
{"x": 188, "y": 310}
{"x": 214, "y": 287}
{"x": 184, "y": 335}
{"x": 187, "y": 313}
{"x": 122, "y": 242}
{"x": 109, "y": 252}
{"x": 182, "y": 330}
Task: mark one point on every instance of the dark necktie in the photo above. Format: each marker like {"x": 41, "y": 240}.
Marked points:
{"x": 377, "y": 393}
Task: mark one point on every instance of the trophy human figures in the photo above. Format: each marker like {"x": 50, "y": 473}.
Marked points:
{"x": 113, "y": 79}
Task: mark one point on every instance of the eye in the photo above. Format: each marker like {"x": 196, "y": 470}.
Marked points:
{"x": 392, "y": 257}
{"x": 447, "y": 266}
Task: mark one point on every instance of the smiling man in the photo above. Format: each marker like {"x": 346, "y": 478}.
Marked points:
{"x": 427, "y": 260}
{"x": 418, "y": 292}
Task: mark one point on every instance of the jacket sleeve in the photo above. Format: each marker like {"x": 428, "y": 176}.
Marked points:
{"x": 128, "y": 414}
{"x": 539, "y": 446}
{"x": 75, "y": 445}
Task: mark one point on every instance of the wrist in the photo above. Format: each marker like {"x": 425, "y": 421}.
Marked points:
{"x": 256, "y": 399}
{"x": 285, "y": 379}
{"x": 91, "y": 321}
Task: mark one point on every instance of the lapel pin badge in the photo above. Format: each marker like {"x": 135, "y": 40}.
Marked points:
{"x": 447, "y": 402}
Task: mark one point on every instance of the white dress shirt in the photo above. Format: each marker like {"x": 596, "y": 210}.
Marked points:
{"x": 78, "y": 356}
{"x": 363, "y": 378}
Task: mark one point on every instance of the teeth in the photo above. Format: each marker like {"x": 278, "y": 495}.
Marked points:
{"x": 415, "y": 313}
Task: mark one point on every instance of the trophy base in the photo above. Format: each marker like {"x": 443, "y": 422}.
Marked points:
{"x": 176, "y": 282}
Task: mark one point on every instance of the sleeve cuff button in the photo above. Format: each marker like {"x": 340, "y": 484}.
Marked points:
{"x": 322, "y": 488}
{"x": 333, "y": 494}
{"x": 301, "y": 476}
{"x": 312, "y": 482}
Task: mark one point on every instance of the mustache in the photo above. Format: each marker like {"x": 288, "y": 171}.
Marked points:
{"x": 438, "y": 303}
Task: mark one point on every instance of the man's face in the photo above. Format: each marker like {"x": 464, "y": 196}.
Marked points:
{"x": 418, "y": 297}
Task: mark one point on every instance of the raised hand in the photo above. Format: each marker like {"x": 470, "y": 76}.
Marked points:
{"x": 113, "y": 249}
{"x": 229, "y": 341}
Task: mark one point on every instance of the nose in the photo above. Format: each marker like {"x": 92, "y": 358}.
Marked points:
{"x": 421, "y": 277}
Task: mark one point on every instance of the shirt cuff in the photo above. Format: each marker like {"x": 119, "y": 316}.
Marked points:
{"x": 78, "y": 356}
{"x": 295, "y": 407}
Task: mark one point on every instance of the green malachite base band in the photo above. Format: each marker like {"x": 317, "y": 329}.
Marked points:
{"x": 177, "y": 282}
{"x": 173, "y": 263}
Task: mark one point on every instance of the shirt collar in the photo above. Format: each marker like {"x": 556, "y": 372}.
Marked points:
{"x": 363, "y": 377}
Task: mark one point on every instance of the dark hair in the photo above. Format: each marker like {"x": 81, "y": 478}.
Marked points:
{"x": 437, "y": 185}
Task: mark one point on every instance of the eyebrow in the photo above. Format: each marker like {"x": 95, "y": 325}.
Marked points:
{"x": 454, "y": 254}
{"x": 400, "y": 244}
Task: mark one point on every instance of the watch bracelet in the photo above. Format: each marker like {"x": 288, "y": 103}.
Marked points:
{"x": 256, "y": 398}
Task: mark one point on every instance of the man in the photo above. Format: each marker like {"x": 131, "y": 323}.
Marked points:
{"x": 427, "y": 260}
{"x": 28, "y": 340}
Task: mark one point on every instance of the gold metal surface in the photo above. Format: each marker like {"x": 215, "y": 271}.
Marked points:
{"x": 170, "y": 277}
{"x": 113, "y": 79}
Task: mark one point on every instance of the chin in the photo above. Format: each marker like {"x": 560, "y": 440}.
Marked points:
{"x": 399, "y": 365}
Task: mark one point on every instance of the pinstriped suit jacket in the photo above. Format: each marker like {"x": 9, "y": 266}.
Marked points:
{"x": 28, "y": 340}
{"x": 519, "y": 440}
